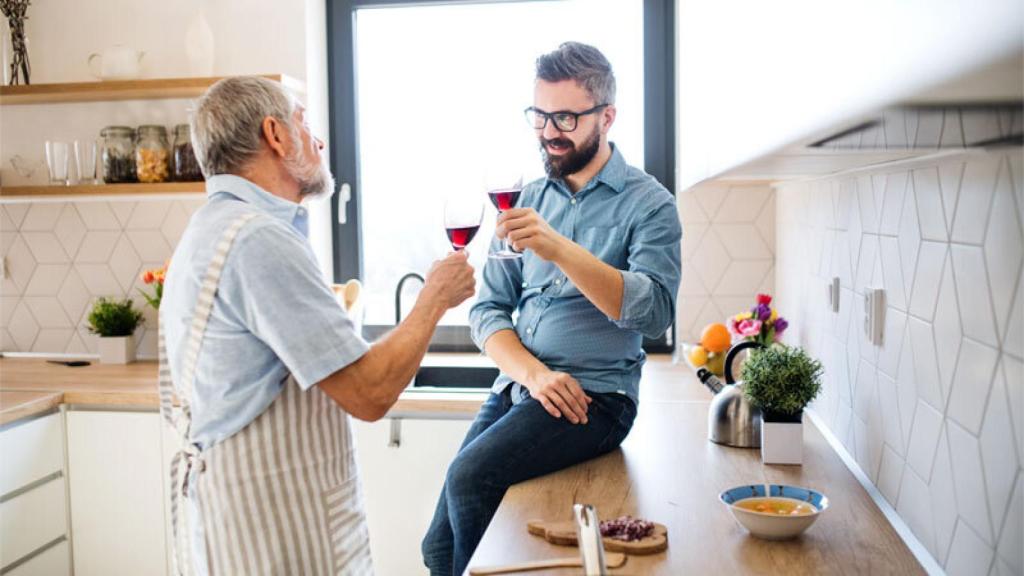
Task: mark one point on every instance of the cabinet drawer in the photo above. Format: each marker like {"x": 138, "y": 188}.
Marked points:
{"x": 55, "y": 561}
{"x": 31, "y": 520}
{"x": 30, "y": 451}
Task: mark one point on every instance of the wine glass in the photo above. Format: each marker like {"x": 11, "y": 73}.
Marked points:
{"x": 503, "y": 189}
{"x": 462, "y": 216}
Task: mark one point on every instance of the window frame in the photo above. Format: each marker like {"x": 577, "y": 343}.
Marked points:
{"x": 659, "y": 137}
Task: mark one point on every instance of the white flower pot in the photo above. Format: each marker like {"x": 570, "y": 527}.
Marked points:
{"x": 782, "y": 442}
{"x": 117, "y": 349}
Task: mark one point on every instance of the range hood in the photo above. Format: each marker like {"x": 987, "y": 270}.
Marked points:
{"x": 933, "y": 126}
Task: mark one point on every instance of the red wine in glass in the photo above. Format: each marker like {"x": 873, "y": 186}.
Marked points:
{"x": 460, "y": 237}
{"x": 462, "y": 216}
{"x": 505, "y": 199}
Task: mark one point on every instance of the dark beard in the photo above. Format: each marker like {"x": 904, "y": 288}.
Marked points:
{"x": 574, "y": 160}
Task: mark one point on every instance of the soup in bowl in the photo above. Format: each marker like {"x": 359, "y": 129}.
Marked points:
{"x": 774, "y": 511}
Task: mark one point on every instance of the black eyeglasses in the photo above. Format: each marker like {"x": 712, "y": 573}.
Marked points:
{"x": 564, "y": 120}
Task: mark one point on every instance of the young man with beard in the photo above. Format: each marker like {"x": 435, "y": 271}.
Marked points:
{"x": 600, "y": 270}
{"x": 265, "y": 365}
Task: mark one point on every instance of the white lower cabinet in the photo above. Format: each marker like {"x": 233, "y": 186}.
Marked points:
{"x": 32, "y": 520}
{"x": 115, "y": 468}
{"x": 33, "y": 499}
{"x": 55, "y": 560}
{"x": 401, "y": 485}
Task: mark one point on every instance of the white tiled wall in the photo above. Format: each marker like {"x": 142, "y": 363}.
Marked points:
{"x": 60, "y": 256}
{"x": 935, "y": 415}
{"x": 728, "y": 252}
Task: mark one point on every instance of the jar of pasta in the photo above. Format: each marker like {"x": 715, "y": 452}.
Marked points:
{"x": 152, "y": 154}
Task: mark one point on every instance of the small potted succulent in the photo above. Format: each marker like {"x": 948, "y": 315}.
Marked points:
{"x": 781, "y": 381}
{"x": 115, "y": 322}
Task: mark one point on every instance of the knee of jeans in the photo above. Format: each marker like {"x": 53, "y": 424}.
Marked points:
{"x": 464, "y": 477}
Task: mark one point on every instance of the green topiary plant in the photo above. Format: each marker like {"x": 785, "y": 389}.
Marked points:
{"x": 110, "y": 317}
{"x": 781, "y": 381}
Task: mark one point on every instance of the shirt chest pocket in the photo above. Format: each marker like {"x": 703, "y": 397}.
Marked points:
{"x": 609, "y": 243}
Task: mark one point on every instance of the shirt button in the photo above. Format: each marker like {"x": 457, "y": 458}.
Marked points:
{"x": 529, "y": 330}
{"x": 525, "y": 285}
{"x": 302, "y": 211}
{"x": 573, "y": 201}
{"x": 558, "y": 282}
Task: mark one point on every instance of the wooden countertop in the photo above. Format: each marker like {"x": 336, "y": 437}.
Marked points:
{"x": 30, "y": 386}
{"x": 667, "y": 471}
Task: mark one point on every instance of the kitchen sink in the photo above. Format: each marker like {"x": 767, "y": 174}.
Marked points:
{"x": 455, "y": 377}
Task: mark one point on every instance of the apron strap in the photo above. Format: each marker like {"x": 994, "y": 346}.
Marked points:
{"x": 187, "y": 461}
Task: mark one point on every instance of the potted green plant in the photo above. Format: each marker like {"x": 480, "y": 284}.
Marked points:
{"x": 781, "y": 381}
{"x": 115, "y": 322}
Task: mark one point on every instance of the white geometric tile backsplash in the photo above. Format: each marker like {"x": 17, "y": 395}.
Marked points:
{"x": 61, "y": 256}
{"x": 728, "y": 251}
{"x": 934, "y": 416}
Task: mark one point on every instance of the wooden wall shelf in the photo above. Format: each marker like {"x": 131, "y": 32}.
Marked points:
{"x": 152, "y": 89}
{"x": 103, "y": 189}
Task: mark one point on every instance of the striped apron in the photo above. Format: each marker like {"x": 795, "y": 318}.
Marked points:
{"x": 282, "y": 495}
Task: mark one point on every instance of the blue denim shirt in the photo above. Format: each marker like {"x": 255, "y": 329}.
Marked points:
{"x": 628, "y": 220}
{"x": 273, "y": 313}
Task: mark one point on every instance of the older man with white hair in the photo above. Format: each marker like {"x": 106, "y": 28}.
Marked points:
{"x": 264, "y": 363}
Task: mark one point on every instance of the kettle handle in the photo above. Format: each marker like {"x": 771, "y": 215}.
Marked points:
{"x": 731, "y": 355}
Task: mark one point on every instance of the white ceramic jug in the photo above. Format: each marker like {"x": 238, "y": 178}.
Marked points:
{"x": 118, "y": 62}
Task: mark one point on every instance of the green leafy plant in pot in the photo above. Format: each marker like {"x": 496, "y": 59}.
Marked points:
{"x": 781, "y": 381}
{"x": 115, "y": 322}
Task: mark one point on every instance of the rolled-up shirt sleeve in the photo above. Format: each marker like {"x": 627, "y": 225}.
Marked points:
{"x": 283, "y": 300}
{"x": 652, "y": 280}
{"x": 499, "y": 295}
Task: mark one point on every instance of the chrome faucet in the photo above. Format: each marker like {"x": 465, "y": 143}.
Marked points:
{"x": 398, "y": 294}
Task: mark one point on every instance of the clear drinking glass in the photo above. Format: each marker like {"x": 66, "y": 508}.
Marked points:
{"x": 57, "y": 161}
{"x": 85, "y": 161}
{"x": 503, "y": 188}
{"x": 463, "y": 214}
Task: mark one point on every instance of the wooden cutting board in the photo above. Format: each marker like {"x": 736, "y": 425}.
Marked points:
{"x": 564, "y": 534}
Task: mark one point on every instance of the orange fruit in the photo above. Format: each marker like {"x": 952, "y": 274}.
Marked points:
{"x": 715, "y": 338}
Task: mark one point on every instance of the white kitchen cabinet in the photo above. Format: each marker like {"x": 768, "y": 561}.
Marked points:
{"x": 30, "y": 451}
{"x": 32, "y": 520}
{"x": 116, "y": 479}
{"x": 401, "y": 485}
{"x": 33, "y": 499}
{"x": 54, "y": 561}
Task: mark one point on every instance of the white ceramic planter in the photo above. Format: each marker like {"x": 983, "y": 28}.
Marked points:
{"x": 782, "y": 442}
{"x": 117, "y": 349}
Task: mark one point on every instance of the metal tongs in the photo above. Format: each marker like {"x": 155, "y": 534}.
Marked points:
{"x": 588, "y": 534}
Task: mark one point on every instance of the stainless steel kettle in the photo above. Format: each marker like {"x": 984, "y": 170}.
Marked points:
{"x": 732, "y": 420}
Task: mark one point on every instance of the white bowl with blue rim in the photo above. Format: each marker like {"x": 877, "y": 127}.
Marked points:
{"x": 772, "y": 525}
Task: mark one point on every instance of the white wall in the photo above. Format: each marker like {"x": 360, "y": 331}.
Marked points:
{"x": 250, "y": 38}
{"x": 728, "y": 252}
{"x": 934, "y": 416}
{"x": 754, "y": 76}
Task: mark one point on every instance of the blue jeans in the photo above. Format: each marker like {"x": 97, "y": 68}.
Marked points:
{"x": 510, "y": 443}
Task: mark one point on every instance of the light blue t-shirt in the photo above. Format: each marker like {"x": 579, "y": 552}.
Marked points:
{"x": 273, "y": 313}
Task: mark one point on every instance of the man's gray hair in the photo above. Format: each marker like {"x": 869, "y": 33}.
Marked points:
{"x": 582, "y": 63}
{"x": 227, "y": 123}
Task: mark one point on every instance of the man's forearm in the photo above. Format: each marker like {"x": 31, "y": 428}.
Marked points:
{"x": 508, "y": 352}
{"x": 369, "y": 387}
{"x": 599, "y": 282}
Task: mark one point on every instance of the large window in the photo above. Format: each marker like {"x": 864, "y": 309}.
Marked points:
{"x": 425, "y": 96}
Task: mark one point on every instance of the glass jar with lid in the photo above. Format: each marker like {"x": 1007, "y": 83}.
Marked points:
{"x": 118, "y": 154}
{"x": 186, "y": 167}
{"x": 152, "y": 154}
